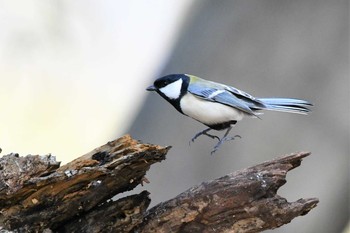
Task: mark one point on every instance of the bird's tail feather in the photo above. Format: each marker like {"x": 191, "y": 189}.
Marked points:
{"x": 286, "y": 105}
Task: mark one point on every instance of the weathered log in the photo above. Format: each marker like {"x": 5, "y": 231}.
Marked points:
{"x": 34, "y": 196}
{"x": 37, "y": 195}
{"x": 243, "y": 201}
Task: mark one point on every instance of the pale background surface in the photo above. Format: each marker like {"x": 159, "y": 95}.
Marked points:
{"x": 73, "y": 72}
{"x": 267, "y": 48}
{"x": 74, "y": 76}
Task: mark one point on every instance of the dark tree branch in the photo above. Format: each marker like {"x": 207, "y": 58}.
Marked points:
{"x": 243, "y": 201}
{"x": 36, "y": 195}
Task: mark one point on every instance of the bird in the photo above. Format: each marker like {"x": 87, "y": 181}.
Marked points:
{"x": 218, "y": 106}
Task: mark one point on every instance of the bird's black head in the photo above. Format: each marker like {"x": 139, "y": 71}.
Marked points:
{"x": 171, "y": 87}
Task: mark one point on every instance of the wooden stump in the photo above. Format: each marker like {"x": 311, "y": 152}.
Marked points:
{"x": 37, "y": 195}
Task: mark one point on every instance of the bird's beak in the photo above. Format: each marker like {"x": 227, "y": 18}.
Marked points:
{"x": 151, "y": 88}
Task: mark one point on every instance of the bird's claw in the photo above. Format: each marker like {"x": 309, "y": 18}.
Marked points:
{"x": 221, "y": 141}
{"x": 204, "y": 132}
{"x": 212, "y": 136}
{"x": 231, "y": 138}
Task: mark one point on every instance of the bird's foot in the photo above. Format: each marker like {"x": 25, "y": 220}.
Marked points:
{"x": 204, "y": 132}
{"x": 221, "y": 141}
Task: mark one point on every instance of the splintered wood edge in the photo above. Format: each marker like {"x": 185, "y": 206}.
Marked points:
{"x": 115, "y": 149}
{"x": 17, "y": 170}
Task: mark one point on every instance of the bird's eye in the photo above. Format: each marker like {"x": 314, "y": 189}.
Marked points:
{"x": 164, "y": 83}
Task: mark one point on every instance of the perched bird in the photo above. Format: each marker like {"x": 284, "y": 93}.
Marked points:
{"x": 217, "y": 105}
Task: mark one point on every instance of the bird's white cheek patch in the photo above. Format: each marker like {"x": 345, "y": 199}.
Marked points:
{"x": 173, "y": 90}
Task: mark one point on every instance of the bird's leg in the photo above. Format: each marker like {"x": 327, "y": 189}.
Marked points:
{"x": 224, "y": 139}
{"x": 204, "y": 132}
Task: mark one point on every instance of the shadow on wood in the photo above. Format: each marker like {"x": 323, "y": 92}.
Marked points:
{"x": 36, "y": 194}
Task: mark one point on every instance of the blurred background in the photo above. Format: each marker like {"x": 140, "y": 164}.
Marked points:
{"x": 73, "y": 76}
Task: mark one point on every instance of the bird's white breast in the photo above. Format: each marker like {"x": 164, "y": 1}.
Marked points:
{"x": 208, "y": 112}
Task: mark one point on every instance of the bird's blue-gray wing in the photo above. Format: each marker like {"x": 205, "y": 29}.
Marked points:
{"x": 221, "y": 95}
{"x": 251, "y": 100}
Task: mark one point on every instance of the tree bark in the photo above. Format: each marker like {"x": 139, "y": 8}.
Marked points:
{"x": 37, "y": 195}
{"x": 243, "y": 201}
